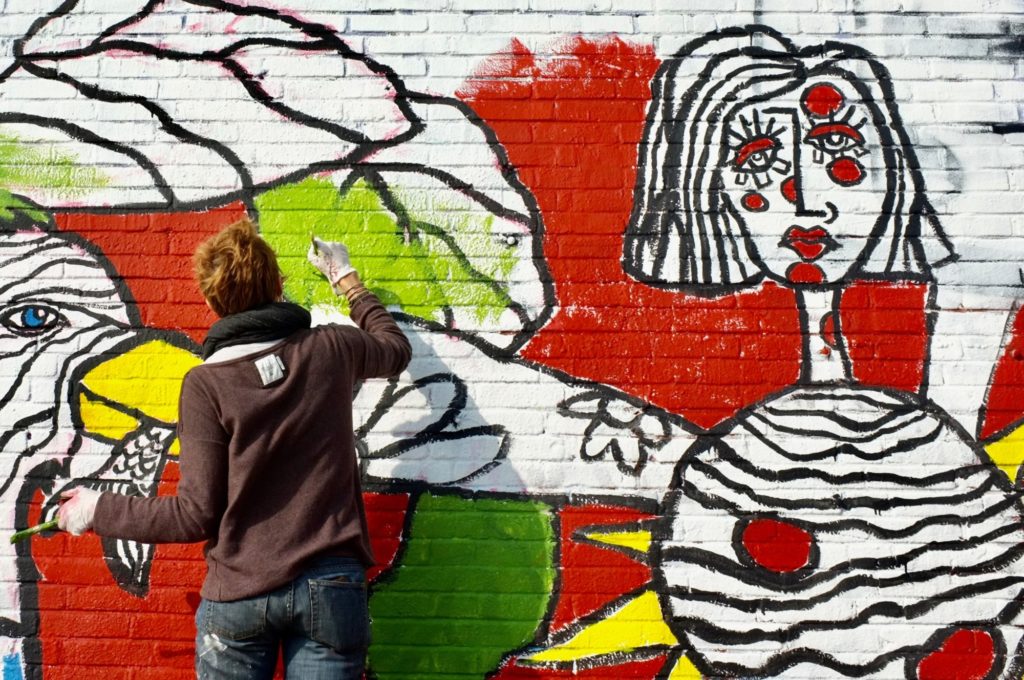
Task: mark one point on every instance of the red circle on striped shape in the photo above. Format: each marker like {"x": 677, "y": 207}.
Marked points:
{"x": 967, "y": 654}
{"x": 776, "y": 545}
{"x": 823, "y": 100}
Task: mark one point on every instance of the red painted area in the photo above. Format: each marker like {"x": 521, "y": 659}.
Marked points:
{"x": 846, "y": 171}
{"x": 965, "y": 655}
{"x": 810, "y": 244}
{"x": 828, "y": 329}
{"x": 1006, "y": 396}
{"x": 594, "y": 576}
{"x": 777, "y": 546}
{"x": 884, "y": 326}
{"x": 788, "y": 189}
{"x": 837, "y": 131}
{"x": 755, "y": 202}
{"x": 805, "y": 273}
{"x": 153, "y": 252}
{"x": 822, "y": 100}
{"x": 751, "y": 148}
{"x": 571, "y": 126}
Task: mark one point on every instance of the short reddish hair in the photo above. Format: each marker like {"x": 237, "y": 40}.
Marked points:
{"x": 236, "y": 270}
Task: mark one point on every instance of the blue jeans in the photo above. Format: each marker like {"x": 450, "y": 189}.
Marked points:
{"x": 320, "y": 621}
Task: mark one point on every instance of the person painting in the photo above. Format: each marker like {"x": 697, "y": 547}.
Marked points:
{"x": 269, "y": 476}
{"x": 832, "y": 512}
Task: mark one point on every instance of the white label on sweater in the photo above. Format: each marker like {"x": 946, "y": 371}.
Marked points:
{"x": 271, "y": 369}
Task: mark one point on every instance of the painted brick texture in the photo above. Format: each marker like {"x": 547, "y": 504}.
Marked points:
{"x": 718, "y": 366}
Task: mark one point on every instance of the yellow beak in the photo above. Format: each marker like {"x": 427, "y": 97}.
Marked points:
{"x": 142, "y": 383}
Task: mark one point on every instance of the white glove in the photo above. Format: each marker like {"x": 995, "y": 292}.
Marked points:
{"x": 77, "y": 510}
{"x": 331, "y": 258}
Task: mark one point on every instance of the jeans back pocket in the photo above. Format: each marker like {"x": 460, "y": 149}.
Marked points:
{"x": 340, "y": 617}
{"x": 237, "y": 620}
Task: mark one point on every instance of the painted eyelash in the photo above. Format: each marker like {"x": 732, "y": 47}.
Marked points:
{"x": 752, "y": 142}
{"x": 818, "y": 154}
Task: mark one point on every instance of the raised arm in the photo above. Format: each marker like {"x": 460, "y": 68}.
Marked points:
{"x": 382, "y": 350}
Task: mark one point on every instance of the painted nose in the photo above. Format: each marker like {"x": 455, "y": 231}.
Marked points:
{"x": 793, "y": 193}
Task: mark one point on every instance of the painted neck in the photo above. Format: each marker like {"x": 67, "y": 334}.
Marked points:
{"x": 824, "y": 351}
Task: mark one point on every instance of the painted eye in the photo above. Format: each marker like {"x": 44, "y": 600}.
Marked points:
{"x": 834, "y": 138}
{"x": 32, "y": 319}
{"x": 757, "y": 155}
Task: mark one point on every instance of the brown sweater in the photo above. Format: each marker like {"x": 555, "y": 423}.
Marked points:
{"x": 269, "y": 476}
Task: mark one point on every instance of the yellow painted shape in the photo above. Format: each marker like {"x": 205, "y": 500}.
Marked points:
{"x": 175, "y": 447}
{"x": 103, "y": 420}
{"x": 637, "y": 624}
{"x": 684, "y": 670}
{"x": 147, "y": 378}
{"x": 1008, "y": 452}
{"x": 640, "y": 541}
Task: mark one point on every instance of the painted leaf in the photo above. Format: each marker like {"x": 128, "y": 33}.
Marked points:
{"x": 411, "y": 263}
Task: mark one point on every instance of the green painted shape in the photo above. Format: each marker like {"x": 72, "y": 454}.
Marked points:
{"x": 29, "y": 166}
{"x": 473, "y": 585}
{"x": 423, "y": 277}
{"x": 11, "y": 205}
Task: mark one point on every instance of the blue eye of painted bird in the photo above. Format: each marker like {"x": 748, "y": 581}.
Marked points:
{"x": 31, "y": 319}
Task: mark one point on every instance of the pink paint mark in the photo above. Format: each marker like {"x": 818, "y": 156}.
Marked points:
{"x": 232, "y": 27}
{"x": 822, "y": 100}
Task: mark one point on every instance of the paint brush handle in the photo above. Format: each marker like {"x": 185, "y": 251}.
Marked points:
{"x": 25, "y": 533}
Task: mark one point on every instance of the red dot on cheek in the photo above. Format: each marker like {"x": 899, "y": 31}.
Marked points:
{"x": 822, "y": 100}
{"x": 789, "y": 189}
{"x": 846, "y": 171}
{"x": 755, "y": 202}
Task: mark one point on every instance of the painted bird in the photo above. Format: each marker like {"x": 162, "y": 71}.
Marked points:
{"x": 72, "y": 407}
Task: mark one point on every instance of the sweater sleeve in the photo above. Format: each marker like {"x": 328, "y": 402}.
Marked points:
{"x": 194, "y": 513}
{"x": 382, "y": 350}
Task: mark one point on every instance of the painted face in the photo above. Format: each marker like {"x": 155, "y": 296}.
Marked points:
{"x": 806, "y": 174}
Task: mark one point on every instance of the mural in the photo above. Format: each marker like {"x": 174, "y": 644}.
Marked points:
{"x": 652, "y": 427}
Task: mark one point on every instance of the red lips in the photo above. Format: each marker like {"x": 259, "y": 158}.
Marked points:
{"x": 809, "y": 244}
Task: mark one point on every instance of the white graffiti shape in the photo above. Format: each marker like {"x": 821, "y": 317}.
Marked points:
{"x": 459, "y": 417}
{"x": 830, "y": 514}
{"x": 242, "y": 98}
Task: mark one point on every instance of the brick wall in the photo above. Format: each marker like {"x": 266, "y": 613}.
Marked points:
{"x": 714, "y": 305}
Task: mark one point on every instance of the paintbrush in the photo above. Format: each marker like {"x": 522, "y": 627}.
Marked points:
{"x": 31, "y": 531}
